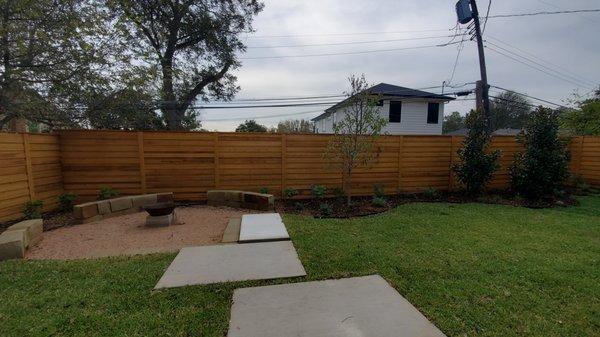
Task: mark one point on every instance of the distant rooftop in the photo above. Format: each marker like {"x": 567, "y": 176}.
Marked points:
{"x": 388, "y": 90}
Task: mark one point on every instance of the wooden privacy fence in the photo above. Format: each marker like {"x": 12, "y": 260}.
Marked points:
{"x": 190, "y": 163}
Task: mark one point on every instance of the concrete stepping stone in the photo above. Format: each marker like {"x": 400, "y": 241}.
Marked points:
{"x": 232, "y": 231}
{"x": 359, "y": 306}
{"x": 232, "y": 262}
{"x": 262, "y": 227}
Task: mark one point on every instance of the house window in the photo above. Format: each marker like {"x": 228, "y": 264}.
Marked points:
{"x": 395, "y": 111}
{"x": 433, "y": 113}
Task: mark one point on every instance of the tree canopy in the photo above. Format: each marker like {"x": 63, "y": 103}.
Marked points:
{"x": 295, "y": 126}
{"x": 509, "y": 110}
{"x": 453, "y": 122}
{"x": 188, "y": 48}
{"x": 585, "y": 118}
{"x": 251, "y": 126}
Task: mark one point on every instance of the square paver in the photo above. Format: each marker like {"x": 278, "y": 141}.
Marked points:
{"x": 232, "y": 262}
{"x": 359, "y": 306}
{"x": 262, "y": 227}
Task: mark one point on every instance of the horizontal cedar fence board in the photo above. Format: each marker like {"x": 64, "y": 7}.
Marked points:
{"x": 191, "y": 163}
{"x": 30, "y": 168}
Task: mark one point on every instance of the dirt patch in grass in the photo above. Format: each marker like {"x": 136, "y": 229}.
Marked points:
{"x": 127, "y": 235}
{"x": 364, "y": 206}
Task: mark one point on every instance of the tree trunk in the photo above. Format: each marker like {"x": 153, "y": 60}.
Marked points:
{"x": 170, "y": 107}
{"x": 348, "y": 188}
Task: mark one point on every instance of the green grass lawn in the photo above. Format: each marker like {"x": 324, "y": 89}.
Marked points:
{"x": 473, "y": 269}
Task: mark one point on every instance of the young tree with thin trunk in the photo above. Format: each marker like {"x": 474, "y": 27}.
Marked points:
{"x": 189, "y": 47}
{"x": 357, "y": 127}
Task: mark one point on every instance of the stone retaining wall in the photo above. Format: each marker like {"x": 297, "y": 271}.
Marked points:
{"x": 97, "y": 210}
{"x": 19, "y": 237}
{"x": 241, "y": 199}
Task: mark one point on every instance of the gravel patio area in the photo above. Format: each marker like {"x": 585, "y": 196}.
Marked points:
{"x": 126, "y": 235}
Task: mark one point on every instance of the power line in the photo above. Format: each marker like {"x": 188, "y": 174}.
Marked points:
{"x": 345, "y": 53}
{"x": 529, "y": 96}
{"x": 261, "y": 106}
{"x": 350, "y": 34}
{"x": 349, "y": 43}
{"x": 533, "y": 67}
{"x": 541, "y": 65}
{"x": 544, "y": 13}
{"x": 487, "y": 16}
{"x": 561, "y": 8}
{"x": 297, "y": 98}
{"x": 579, "y": 77}
{"x": 261, "y": 117}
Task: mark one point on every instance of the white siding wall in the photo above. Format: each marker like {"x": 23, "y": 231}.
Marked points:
{"x": 413, "y": 120}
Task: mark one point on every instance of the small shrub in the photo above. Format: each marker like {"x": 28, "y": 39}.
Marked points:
{"x": 263, "y": 190}
{"x": 379, "y": 191}
{"x": 318, "y": 191}
{"x": 66, "y": 200}
{"x": 325, "y": 210}
{"x": 477, "y": 164}
{"x": 431, "y": 193}
{"x": 543, "y": 167}
{"x": 298, "y": 205}
{"x": 379, "y": 202}
{"x": 107, "y": 193}
{"x": 581, "y": 186}
{"x": 339, "y": 194}
{"x": 290, "y": 192}
{"x": 33, "y": 209}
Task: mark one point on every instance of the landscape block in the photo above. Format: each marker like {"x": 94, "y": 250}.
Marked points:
{"x": 232, "y": 231}
{"x": 359, "y": 306}
{"x": 119, "y": 204}
{"x": 86, "y": 210}
{"x": 139, "y": 201}
{"x": 12, "y": 244}
{"x": 33, "y": 230}
{"x": 103, "y": 207}
{"x": 232, "y": 262}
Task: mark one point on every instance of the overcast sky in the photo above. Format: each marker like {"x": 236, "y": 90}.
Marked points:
{"x": 570, "y": 41}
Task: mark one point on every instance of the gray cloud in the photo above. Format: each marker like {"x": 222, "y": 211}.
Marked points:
{"x": 570, "y": 41}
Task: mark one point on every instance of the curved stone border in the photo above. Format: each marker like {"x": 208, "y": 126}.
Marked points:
{"x": 241, "y": 199}
{"x": 97, "y": 210}
{"x": 19, "y": 237}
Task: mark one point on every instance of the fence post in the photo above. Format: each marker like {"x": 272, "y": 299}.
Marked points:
{"x": 283, "y": 162}
{"x": 400, "y": 155}
{"x": 30, "y": 181}
{"x": 140, "y": 139}
{"x": 216, "y": 159}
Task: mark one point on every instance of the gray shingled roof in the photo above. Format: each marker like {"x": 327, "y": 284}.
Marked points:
{"x": 388, "y": 90}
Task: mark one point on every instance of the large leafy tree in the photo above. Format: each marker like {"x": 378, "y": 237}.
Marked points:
{"x": 453, "y": 122}
{"x": 251, "y": 126}
{"x": 509, "y": 110}
{"x": 48, "y": 58}
{"x": 295, "y": 126}
{"x": 585, "y": 118}
{"x": 187, "y": 46}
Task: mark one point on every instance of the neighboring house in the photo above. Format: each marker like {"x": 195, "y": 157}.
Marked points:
{"x": 408, "y": 111}
{"x": 499, "y": 132}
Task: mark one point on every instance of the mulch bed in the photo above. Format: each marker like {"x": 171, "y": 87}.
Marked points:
{"x": 363, "y": 206}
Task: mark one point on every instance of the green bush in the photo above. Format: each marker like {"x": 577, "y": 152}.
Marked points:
{"x": 581, "y": 186}
{"x": 431, "y": 193}
{"x": 33, "y": 209}
{"x": 263, "y": 190}
{"x": 290, "y": 192}
{"x": 542, "y": 169}
{"x": 379, "y": 191}
{"x": 107, "y": 193}
{"x": 379, "y": 202}
{"x": 325, "y": 210}
{"x": 318, "y": 191}
{"x": 477, "y": 164}
{"x": 66, "y": 200}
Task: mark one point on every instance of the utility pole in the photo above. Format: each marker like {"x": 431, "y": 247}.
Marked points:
{"x": 482, "y": 88}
